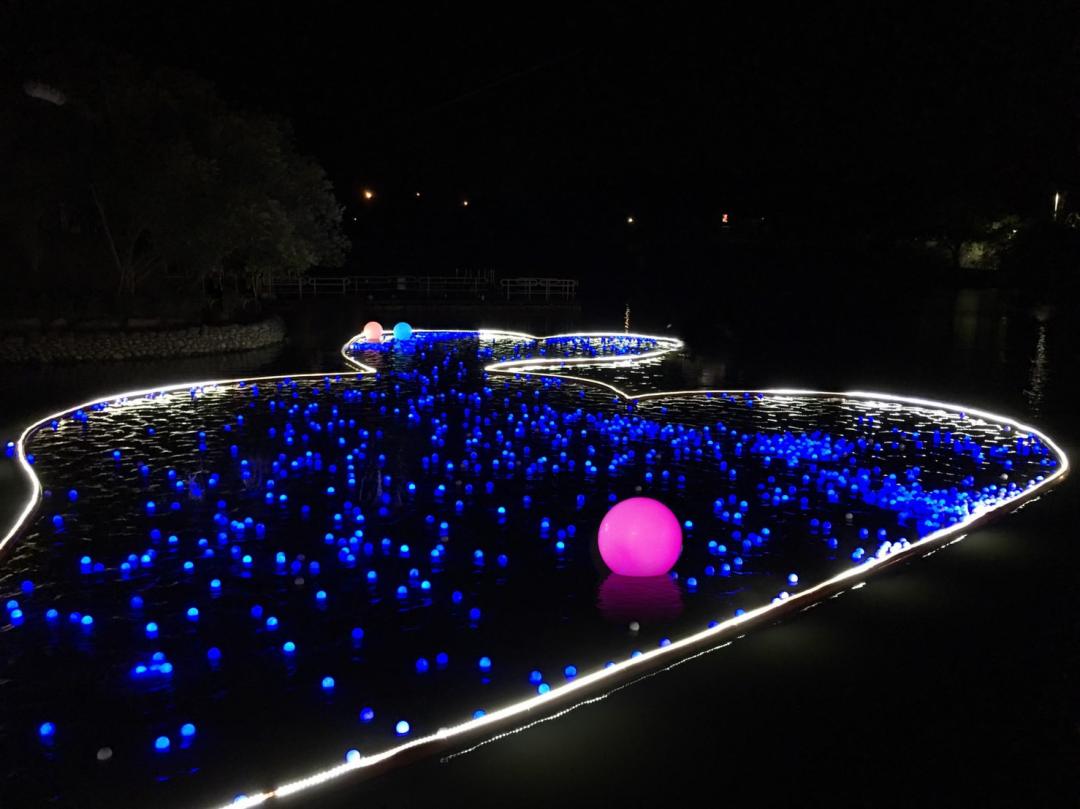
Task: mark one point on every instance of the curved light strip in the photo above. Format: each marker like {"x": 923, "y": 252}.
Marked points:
{"x": 647, "y": 659}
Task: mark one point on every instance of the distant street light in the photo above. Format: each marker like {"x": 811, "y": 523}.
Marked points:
{"x": 465, "y": 203}
{"x": 368, "y": 194}
{"x": 629, "y": 220}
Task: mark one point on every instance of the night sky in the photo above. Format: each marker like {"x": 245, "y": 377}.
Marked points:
{"x": 560, "y": 123}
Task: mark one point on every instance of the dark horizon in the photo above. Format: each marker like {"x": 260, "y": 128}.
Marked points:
{"x": 825, "y": 114}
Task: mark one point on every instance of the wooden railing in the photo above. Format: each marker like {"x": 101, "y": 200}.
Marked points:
{"x": 428, "y": 286}
{"x": 546, "y": 288}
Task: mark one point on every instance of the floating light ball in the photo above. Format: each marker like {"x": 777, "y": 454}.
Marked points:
{"x": 640, "y": 537}
{"x": 372, "y": 332}
{"x": 402, "y": 331}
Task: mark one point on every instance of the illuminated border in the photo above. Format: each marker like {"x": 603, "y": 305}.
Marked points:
{"x": 542, "y": 705}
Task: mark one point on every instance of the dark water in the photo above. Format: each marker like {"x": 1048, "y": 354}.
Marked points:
{"x": 967, "y": 658}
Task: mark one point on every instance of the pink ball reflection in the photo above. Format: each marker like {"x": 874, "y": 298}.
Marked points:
{"x": 373, "y": 332}
{"x": 640, "y": 537}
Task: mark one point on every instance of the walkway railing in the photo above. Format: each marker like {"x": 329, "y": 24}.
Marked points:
{"x": 427, "y": 286}
{"x": 546, "y": 288}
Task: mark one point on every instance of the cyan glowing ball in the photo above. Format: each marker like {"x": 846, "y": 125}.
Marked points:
{"x": 402, "y": 331}
{"x": 640, "y": 537}
{"x": 372, "y": 332}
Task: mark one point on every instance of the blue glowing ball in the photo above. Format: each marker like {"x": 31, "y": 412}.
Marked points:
{"x": 187, "y": 730}
{"x": 162, "y": 743}
{"x": 401, "y": 728}
{"x": 46, "y": 730}
{"x": 402, "y": 331}
{"x": 328, "y": 683}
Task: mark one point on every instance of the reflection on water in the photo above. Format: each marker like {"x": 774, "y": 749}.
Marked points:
{"x": 1037, "y": 374}
{"x": 966, "y": 319}
{"x": 56, "y": 386}
{"x": 649, "y": 599}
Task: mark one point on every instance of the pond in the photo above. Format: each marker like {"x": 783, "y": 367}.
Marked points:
{"x": 231, "y": 586}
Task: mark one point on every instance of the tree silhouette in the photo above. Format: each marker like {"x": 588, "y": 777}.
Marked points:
{"x": 152, "y": 177}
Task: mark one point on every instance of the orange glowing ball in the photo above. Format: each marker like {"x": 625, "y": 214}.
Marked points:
{"x": 372, "y": 332}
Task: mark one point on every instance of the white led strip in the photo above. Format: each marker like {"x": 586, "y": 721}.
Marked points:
{"x": 650, "y": 658}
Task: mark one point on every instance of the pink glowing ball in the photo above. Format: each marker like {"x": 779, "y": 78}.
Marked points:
{"x": 640, "y": 537}
{"x": 372, "y": 332}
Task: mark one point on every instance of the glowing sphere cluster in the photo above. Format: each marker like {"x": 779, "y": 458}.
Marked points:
{"x": 352, "y": 551}
{"x": 640, "y": 537}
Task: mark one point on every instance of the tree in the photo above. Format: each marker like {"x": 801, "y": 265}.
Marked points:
{"x": 174, "y": 184}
